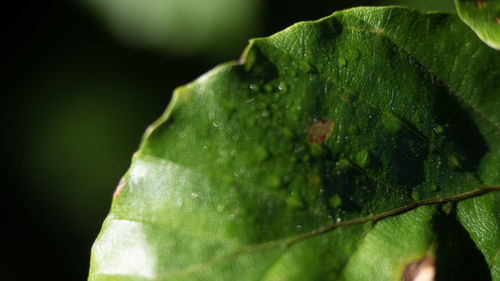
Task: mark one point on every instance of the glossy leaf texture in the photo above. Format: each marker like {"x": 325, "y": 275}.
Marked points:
{"x": 483, "y": 16}
{"x": 363, "y": 146}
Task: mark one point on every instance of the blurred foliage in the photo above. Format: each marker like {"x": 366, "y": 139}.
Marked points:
{"x": 180, "y": 26}
{"x": 77, "y": 101}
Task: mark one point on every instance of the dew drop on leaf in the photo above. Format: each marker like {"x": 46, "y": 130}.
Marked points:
{"x": 363, "y": 158}
{"x": 254, "y": 87}
{"x": 391, "y": 122}
{"x": 335, "y": 201}
{"x": 282, "y": 87}
{"x": 268, "y": 87}
{"x": 453, "y": 162}
{"x": 342, "y": 61}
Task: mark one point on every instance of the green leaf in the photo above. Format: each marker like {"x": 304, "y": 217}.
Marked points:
{"x": 363, "y": 146}
{"x": 483, "y": 16}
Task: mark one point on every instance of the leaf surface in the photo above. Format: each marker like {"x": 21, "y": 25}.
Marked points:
{"x": 333, "y": 150}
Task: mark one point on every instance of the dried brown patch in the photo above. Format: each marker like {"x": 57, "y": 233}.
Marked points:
{"x": 319, "y": 130}
{"x": 480, "y": 4}
{"x": 119, "y": 188}
{"x": 497, "y": 20}
{"x": 421, "y": 270}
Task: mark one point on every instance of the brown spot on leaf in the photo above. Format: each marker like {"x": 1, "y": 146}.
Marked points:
{"x": 497, "y": 20}
{"x": 480, "y": 4}
{"x": 421, "y": 270}
{"x": 119, "y": 188}
{"x": 319, "y": 130}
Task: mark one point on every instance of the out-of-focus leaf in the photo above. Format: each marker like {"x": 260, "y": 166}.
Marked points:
{"x": 483, "y": 16}
{"x": 180, "y": 26}
{"x": 327, "y": 152}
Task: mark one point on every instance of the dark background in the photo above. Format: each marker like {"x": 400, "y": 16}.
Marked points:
{"x": 76, "y": 100}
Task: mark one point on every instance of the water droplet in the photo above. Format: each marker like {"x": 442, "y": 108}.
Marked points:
{"x": 453, "y": 162}
{"x": 268, "y": 87}
{"x": 287, "y": 132}
{"x": 274, "y": 181}
{"x": 312, "y": 77}
{"x": 335, "y": 201}
{"x": 339, "y": 219}
{"x": 447, "y": 207}
{"x": 352, "y": 130}
{"x": 415, "y": 195}
{"x": 304, "y": 67}
{"x": 342, "y": 61}
{"x": 363, "y": 158}
{"x": 194, "y": 194}
{"x": 293, "y": 202}
{"x": 253, "y": 87}
{"x": 179, "y": 202}
{"x": 282, "y": 87}
{"x": 343, "y": 164}
{"x": 215, "y": 125}
{"x": 261, "y": 153}
{"x": 220, "y": 208}
{"x": 299, "y": 226}
{"x": 391, "y": 122}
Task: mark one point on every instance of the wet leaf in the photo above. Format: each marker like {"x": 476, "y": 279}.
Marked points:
{"x": 349, "y": 148}
{"x": 483, "y": 16}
